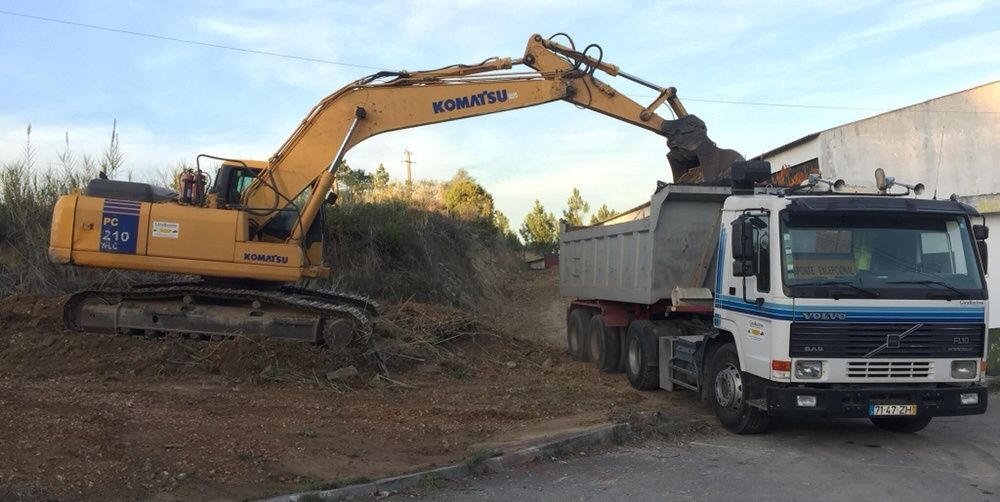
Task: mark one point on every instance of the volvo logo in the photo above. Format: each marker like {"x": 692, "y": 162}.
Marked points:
{"x": 893, "y": 341}
{"x": 824, "y": 316}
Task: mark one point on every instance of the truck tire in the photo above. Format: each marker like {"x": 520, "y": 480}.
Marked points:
{"x": 726, "y": 392}
{"x": 641, "y": 366}
{"x": 906, "y": 425}
{"x": 577, "y": 325}
{"x": 605, "y": 345}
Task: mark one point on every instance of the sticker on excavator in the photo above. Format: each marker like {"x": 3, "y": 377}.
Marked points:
{"x": 166, "y": 229}
{"x": 119, "y": 226}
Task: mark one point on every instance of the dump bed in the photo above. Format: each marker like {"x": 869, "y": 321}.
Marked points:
{"x": 643, "y": 255}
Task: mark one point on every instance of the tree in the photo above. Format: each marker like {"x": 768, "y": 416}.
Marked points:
{"x": 576, "y": 210}
{"x": 466, "y": 199}
{"x": 603, "y": 213}
{"x": 501, "y": 222}
{"x": 539, "y": 230}
{"x": 381, "y": 178}
{"x": 354, "y": 180}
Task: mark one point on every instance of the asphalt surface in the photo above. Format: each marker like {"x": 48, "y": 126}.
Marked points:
{"x": 952, "y": 459}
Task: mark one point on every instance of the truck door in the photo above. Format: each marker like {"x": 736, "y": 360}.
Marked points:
{"x": 745, "y": 300}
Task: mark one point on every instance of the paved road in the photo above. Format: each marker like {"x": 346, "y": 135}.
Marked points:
{"x": 953, "y": 459}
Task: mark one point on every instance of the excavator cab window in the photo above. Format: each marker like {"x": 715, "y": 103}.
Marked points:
{"x": 231, "y": 181}
{"x": 282, "y": 225}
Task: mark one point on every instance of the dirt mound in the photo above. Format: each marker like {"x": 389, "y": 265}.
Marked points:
{"x": 34, "y": 343}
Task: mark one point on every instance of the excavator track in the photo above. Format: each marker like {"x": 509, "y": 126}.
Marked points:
{"x": 205, "y": 310}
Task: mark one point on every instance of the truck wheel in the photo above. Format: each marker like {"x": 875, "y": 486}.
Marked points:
{"x": 577, "y": 325}
{"x": 901, "y": 424}
{"x": 641, "y": 366}
{"x": 728, "y": 394}
{"x": 605, "y": 345}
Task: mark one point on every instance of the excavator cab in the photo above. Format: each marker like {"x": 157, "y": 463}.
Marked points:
{"x": 234, "y": 177}
{"x": 230, "y": 181}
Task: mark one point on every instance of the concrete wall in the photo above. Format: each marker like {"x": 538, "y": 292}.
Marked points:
{"x": 960, "y": 133}
{"x": 989, "y": 205}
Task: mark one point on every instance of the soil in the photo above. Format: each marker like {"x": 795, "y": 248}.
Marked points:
{"x": 97, "y": 416}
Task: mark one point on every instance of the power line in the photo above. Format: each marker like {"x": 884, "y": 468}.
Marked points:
{"x": 820, "y": 107}
{"x": 353, "y": 65}
{"x": 186, "y": 41}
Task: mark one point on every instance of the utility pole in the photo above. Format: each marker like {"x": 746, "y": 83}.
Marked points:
{"x": 409, "y": 167}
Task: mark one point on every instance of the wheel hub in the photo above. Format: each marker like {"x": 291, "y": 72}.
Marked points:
{"x": 633, "y": 356}
{"x": 729, "y": 388}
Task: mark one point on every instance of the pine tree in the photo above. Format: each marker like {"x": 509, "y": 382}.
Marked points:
{"x": 466, "y": 199}
{"x": 603, "y": 213}
{"x": 539, "y": 230}
{"x": 576, "y": 210}
{"x": 381, "y": 177}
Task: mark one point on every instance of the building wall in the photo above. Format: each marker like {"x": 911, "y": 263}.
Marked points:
{"x": 795, "y": 155}
{"x": 989, "y": 206}
{"x": 960, "y": 133}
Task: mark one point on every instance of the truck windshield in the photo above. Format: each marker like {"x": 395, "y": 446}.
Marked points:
{"x": 865, "y": 255}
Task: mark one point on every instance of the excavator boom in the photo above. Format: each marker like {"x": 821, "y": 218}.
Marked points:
{"x": 389, "y": 101}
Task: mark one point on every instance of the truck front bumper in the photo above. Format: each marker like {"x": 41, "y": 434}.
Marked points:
{"x": 931, "y": 401}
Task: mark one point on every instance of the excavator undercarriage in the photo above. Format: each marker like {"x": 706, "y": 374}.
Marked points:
{"x": 210, "y": 310}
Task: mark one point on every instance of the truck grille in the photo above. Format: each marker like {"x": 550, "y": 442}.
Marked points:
{"x": 890, "y": 369}
{"x": 858, "y": 340}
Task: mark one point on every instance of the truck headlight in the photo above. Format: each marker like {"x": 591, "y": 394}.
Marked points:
{"x": 808, "y": 370}
{"x": 964, "y": 370}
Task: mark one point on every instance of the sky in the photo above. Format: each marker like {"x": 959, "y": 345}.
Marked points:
{"x": 833, "y": 61}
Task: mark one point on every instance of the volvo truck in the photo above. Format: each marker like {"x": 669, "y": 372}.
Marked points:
{"x": 802, "y": 301}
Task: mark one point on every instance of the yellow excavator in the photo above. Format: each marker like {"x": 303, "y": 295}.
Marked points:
{"x": 257, "y": 230}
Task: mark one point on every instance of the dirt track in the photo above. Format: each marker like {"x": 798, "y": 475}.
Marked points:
{"x": 99, "y": 416}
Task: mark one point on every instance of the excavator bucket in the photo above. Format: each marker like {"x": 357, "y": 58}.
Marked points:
{"x": 693, "y": 157}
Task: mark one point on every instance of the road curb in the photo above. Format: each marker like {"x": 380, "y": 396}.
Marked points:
{"x": 601, "y": 435}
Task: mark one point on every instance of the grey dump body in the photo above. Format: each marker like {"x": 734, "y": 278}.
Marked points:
{"x": 670, "y": 243}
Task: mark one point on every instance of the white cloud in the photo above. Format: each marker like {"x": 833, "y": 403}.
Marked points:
{"x": 903, "y": 17}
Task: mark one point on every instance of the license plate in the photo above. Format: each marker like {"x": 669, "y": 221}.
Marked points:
{"x": 892, "y": 409}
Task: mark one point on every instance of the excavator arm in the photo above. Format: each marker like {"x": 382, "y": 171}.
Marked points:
{"x": 389, "y": 101}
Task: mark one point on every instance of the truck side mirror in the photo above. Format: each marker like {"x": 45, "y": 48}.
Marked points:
{"x": 984, "y": 255}
{"x": 742, "y": 239}
{"x": 981, "y": 232}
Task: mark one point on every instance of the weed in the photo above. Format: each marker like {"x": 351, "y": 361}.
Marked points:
{"x": 479, "y": 455}
{"x": 431, "y": 480}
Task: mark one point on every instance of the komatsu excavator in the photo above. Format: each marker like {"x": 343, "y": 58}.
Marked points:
{"x": 258, "y": 230}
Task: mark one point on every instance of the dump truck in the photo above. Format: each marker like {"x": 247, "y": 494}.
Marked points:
{"x": 799, "y": 301}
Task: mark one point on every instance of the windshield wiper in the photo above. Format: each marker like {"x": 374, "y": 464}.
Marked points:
{"x": 866, "y": 291}
{"x": 928, "y": 282}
